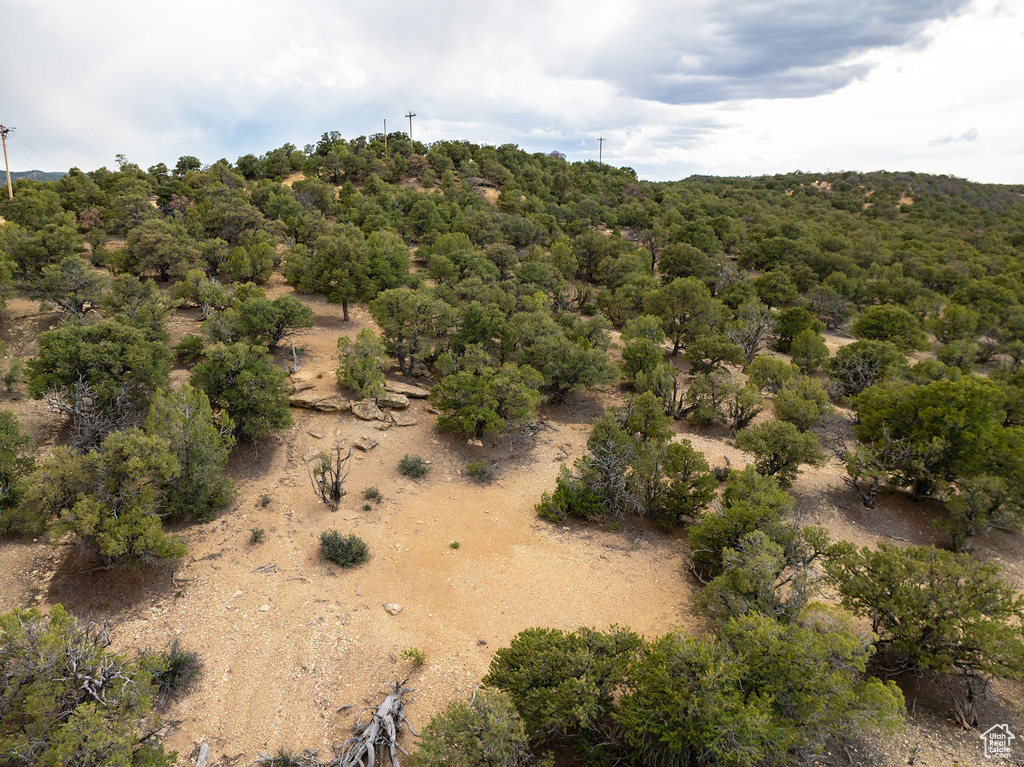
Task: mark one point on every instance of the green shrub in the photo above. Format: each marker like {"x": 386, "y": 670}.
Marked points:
{"x": 256, "y": 535}
{"x": 412, "y": 466}
{"x": 14, "y": 375}
{"x": 346, "y": 551}
{"x": 571, "y": 496}
{"x": 373, "y": 494}
{"x": 56, "y": 674}
{"x": 188, "y": 349}
{"x": 176, "y": 670}
{"x": 454, "y": 544}
{"x": 415, "y": 655}
{"x": 479, "y": 472}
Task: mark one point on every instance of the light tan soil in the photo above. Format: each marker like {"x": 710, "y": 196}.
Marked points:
{"x": 287, "y": 638}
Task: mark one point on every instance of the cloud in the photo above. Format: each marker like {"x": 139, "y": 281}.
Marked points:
{"x": 675, "y": 86}
{"x": 690, "y": 53}
{"x": 970, "y": 135}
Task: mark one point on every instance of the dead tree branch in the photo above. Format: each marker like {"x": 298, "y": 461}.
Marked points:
{"x": 328, "y": 476}
{"x": 379, "y": 734}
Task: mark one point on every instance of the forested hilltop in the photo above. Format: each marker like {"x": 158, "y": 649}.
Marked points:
{"x": 867, "y": 324}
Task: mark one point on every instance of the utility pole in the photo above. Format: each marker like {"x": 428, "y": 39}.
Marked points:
{"x": 385, "y": 137}
{"x": 410, "y": 116}
{"x": 3, "y": 136}
{"x": 600, "y": 150}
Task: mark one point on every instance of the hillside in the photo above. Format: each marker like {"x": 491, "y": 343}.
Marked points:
{"x": 36, "y": 175}
{"x": 875, "y": 317}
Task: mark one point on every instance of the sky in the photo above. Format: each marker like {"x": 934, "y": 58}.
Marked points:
{"x": 674, "y": 87}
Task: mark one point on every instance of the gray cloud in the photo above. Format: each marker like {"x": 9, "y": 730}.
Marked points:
{"x": 225, "y": 78}
{"x": 967, "y": 136}
{"x": 698, "y": 53}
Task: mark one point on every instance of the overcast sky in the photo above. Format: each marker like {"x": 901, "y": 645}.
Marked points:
{"x": 675, "y": 87}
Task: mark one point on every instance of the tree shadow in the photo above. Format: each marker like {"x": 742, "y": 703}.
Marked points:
{"x": 97, "y": 594}
{"x": 578, "y": 408}
{"x": 895, "y": 515}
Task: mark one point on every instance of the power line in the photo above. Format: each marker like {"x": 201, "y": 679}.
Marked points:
{"x": 33, "y": 150}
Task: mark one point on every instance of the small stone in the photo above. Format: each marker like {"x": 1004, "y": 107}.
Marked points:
{"x": 237, "y": 593}
{"x": 392, "y": 609}
{"x": 264, "y": 608}
{"x": 365, "y": 444}
{"x": 382, "y": 425}
{"x": 315, "y": 434}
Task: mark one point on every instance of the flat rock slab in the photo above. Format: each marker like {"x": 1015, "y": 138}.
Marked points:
{"x": 367, "y": 410}
{"x": 301, "y": 383}
{"x": 394, "y": 401}
{"x": 403, "y": 419}
{"x": 307, "y": 401}
{"x": 333, "y": 405}
{"x": 366, "y": 444}
{"x": 409, "y": 390}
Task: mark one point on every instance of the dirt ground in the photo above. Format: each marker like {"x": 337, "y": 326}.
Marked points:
{"x": 288, "y": 640}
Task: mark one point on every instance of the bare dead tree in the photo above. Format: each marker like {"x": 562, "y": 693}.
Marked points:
{"x": 754, "y": 324}
{"x": 93, "y": 418}
{"x": 328, "y": 476}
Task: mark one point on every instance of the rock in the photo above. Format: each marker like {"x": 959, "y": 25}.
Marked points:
{"x": 333, "y": 405}
{"x": 304, "y": 400}
{"x": 409, "y": 390}
{"x": 474, "y": 442}
{"x": 300, "y": 384}
{"x": 395, "y": 401}
{"x": 382, "y": 426}
{"x": 403, "y": 419}
{"x": 367, "y": 410}
{"x": 315, "y": 434}
{"x": 392, "y": 609}
{"x": 264, "y": 608}
{"x": 366, "y": 444}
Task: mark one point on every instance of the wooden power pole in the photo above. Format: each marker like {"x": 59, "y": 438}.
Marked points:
{"x": 385, "y": 137}
{"x": 3, "y": 136}
{"x": 410, "y": 116}
{"x": 600, "y": 150}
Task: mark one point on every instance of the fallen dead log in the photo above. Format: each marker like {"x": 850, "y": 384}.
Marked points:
{"x": 370, "y": 741}
{"x": 379, "y": 734}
